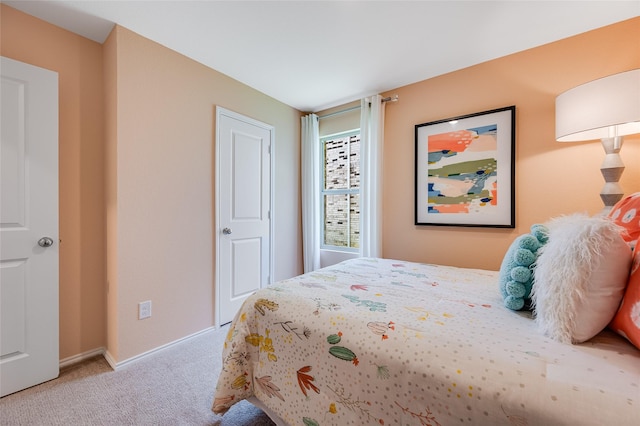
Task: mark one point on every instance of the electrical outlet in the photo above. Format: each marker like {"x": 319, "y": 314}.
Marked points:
{"x": 144, "y": 309}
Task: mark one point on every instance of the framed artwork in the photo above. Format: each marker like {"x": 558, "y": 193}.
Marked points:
{"x": 465, "y": 170}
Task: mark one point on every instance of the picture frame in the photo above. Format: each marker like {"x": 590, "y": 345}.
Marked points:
{"x": 465, "y": 170}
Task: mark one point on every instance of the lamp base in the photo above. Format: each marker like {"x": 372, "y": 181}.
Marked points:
{"x": 611, "y": 169}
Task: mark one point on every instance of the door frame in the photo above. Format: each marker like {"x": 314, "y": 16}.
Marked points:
{"x": 220, "y": 111}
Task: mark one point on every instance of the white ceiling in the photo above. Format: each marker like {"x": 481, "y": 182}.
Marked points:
{"x": 313, "y": 55}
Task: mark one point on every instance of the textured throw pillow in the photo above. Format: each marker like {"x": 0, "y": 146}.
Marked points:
{"x": 627, "y": 319}
{"x": 516, "y": 271}
{"x": 580, "y": 277}
{"x": 626, "y": 213}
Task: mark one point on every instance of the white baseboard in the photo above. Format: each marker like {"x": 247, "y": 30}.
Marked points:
{"x": 111, "y": 360}
{"x": 81, "y": 357}
{"x": 115, "y": 365}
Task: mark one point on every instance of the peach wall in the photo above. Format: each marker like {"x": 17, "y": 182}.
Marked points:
{"x": 339, "y": 119}
{"x": 110, "y": 85}
{"x": 136, "y": 181}
{"x": 163, "y": 248}
{"x": 78, "y": 62}
{"x": 551, "y": 178}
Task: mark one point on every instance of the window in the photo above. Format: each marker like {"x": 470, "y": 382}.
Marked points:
{"x": 340, "y": 191}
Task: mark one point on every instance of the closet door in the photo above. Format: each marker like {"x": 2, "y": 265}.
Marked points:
{"x": 243, "y": 210}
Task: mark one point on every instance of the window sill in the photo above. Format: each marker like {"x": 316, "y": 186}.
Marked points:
{"x": 331, "y": 257}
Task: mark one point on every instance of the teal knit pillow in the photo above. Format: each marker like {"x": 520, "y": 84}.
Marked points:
{"x": 516, "y": 271}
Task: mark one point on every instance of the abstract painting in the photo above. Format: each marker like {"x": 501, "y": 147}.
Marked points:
{"x": 464, "y": 170}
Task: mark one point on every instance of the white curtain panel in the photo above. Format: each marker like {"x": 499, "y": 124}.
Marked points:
{"x": 371, "y": 149}
{"x": 310, "y": 193}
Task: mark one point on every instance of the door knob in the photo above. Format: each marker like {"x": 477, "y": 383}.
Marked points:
{"x": 45, "y": 242}
{"x": 226, "y": 231}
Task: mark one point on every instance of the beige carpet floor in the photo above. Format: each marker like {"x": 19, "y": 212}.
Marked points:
{"x": 173, "y": 386}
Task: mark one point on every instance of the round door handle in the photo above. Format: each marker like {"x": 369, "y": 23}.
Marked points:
{"x": 45, "y": 242}
{"x": 226, "y": 231}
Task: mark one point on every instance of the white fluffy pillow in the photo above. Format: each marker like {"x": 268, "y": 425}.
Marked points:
{"x": 580, "y": 277}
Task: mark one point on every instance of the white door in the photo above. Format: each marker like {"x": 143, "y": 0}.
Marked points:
{"x": 28, "y": 226}
{"x": 243, "y": 206}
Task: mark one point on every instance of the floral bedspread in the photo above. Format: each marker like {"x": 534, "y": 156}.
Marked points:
{"x": 378, "y": 341}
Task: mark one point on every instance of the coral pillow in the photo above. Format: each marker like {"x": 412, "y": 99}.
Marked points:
{"x": 627, "y": 319}
{"x": 626, "y": 213}
{"x": 580, "y": 277}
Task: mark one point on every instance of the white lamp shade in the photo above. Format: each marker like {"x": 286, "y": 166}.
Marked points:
{"x": 602, "y": 108}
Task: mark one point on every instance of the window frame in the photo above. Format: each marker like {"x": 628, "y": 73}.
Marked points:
{"x": 348, "y": 191}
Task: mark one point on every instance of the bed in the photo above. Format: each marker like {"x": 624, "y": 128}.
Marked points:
{"x": 389, "y": 342}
